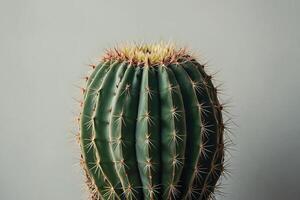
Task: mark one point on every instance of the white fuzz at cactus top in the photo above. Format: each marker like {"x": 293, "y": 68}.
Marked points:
{"x": 148, "y": 54}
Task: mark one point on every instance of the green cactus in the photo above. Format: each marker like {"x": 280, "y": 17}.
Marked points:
{"x": 151, "y": 126}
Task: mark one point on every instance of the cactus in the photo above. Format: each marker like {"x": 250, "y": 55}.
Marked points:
{"x": 151, "y": 126}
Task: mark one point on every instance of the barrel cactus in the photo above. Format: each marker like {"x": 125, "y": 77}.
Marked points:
{"x": 151, "y": 126}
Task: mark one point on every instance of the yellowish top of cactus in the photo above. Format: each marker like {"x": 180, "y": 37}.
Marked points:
{"x": 148, "y": 54}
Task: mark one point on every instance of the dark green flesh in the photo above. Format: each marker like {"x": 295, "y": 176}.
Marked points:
{"x": 143, "y": 130}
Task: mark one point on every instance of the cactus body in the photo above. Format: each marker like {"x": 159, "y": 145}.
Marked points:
{"x": 151, "y": 126}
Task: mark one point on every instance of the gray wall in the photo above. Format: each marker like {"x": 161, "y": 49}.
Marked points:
{"x": 44, "y": 49}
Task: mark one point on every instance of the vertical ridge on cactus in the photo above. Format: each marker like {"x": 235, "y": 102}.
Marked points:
{"x": 151, "y": 126}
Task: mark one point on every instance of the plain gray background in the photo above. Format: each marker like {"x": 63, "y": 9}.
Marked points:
{"x": 45, "y": 47}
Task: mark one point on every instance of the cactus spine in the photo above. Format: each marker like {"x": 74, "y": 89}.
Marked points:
{"x": 151, "y": 126}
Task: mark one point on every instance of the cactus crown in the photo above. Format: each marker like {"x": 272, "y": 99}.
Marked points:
{"x": 148, "y": 54}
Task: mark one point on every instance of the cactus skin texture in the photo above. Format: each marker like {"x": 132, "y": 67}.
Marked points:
{"x": 151, "y": 126}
